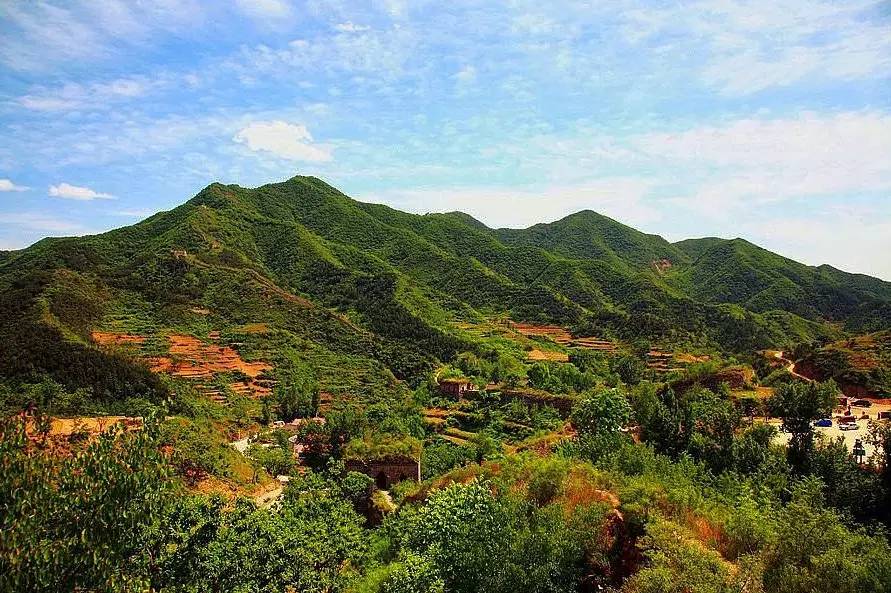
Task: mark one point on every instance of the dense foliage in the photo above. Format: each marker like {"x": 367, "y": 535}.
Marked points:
{"x": 361, "y": 291}
{"x": 606, "y": 472}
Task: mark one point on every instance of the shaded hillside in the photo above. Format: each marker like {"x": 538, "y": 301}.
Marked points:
{"x": 359, "y": 291}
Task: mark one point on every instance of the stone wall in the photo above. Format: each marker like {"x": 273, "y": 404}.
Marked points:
{"x": 386, "y": 472}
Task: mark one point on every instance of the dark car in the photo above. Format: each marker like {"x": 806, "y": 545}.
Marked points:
{"x": 823, "y": 422}
{"x": 862, "y": 403}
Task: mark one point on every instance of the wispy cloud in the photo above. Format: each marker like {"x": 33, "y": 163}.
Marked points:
{"x": 759, "y": 160}
{"x": 135, "y": 212}
{"x": 97, "y": 95}
{"x": 38, "y": 221}
{"x": 760, "y": 44}
{"x": 75, "y": 192}
{"x": 39, "y": 35}
{"x": 265, "y": 8}
{"x": 622, "y": 198}
{"x": 7, "y": 185}
{"x": 350, "y": 27}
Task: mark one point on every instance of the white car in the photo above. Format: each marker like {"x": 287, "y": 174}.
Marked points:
{"x": 848, "y": 426}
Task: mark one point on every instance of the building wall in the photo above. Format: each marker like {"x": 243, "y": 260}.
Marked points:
{"x": 387, "y": 472}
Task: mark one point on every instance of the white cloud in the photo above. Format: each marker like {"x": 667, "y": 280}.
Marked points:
{"x": 285, "y": 140}
{"x": 75, "y": 192}
{"x": 383, "y": 54}
{"x": 467, "y": 75}
{"x": 618, "y": 197}
{"x": 40, "y": 222}
{"x": 135, "y": 212}
{"x": 762, "y": 160}
{"x": 838, "y": 236}
{"x": 350, "y": 27}
{"x": 754, "y": 45}
{"x": 39, "y": 35}
{"x": 8, "y": 185}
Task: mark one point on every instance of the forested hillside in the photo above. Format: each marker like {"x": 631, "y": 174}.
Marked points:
{"x": 283, "y": 389}
{"x": 375, "y": 291}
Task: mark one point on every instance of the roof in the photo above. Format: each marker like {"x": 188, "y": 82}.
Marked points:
{"x": 455, "y": 380}
{"x": 379, "y": 447}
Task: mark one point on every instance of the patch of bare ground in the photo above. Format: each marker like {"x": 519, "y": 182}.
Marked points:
{"x": 536, "y": 355}
{"x": 595, "y": 343}
{"x": 114, "y": 339}
{"x": 555, "y": 333}
{"x": 191, "y": 358}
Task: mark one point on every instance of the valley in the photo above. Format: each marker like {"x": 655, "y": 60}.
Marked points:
{"x": 590, "y": 406}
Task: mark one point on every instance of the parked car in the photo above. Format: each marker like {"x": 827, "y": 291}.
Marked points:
{"x": 848, "y": 426}
{"x": 862, "y": 403}
{"x": 823, "y": 422}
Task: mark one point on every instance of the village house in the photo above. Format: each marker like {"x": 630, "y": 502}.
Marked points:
{"x": 388, "y": 471}
{"x": 385, "y": 460}
{"x": 455, "y": 388}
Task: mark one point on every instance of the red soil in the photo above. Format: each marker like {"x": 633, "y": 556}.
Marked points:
{"x": 191, "y": 358}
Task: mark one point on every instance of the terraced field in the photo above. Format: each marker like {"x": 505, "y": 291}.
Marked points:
{"x": 190, "y": 358}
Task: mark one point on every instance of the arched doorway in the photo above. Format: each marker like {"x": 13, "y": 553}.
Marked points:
{"x": 381, "y": 481}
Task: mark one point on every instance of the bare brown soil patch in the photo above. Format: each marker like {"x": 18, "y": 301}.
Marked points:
{"x": 686, "y": 358}
{"x": 191, "y": 358}
{"x": 594, "y": 343}
{"x": 91, "y": 425}
{"x": 552, "y": 332}
{"x": 537, "y": 355}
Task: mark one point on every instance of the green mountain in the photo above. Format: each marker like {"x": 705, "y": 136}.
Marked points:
{"x": 299, "y": 275}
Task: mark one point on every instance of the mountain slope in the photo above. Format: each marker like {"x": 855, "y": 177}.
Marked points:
{"x": 357, "y": 291}
{"x": 736, "y": 271}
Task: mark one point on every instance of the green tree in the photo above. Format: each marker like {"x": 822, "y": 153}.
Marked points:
{"x": 603, "y": 412}
{"x": 630, "y": 369}
{"x": 413, "y": 574}
{"x": 298, "y": 398}
{"x": 74, "y": 523}
{"x": 715, "y": 421}
{"x": 798, "y": 405}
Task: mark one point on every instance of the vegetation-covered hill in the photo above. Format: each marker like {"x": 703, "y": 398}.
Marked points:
{"x": 861, "y": 365}
{"x": 598, "y": 435}
{"x": 363, "y": 293}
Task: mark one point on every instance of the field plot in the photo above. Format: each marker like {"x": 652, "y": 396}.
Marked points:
{"x": 555, "y": 333}
{"x": 593, "y": 343}
{"x": 536, "y": 355}
{"x": 113, "y": 339}
{"x": 190, "y": 358}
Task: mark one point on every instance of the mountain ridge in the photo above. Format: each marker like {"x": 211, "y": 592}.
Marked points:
{"x": 399, "y": 285}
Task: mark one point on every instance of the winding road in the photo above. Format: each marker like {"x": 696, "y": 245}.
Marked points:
{"x": 790, "y": 366}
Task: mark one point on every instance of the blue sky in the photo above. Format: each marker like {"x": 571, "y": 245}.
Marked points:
{"x": 764, "y": 119}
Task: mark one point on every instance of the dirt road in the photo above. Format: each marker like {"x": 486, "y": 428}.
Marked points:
{"x": 790, "y": 366}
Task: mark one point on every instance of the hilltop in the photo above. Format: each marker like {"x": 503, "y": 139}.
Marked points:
{"x": 297, "y": 275}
